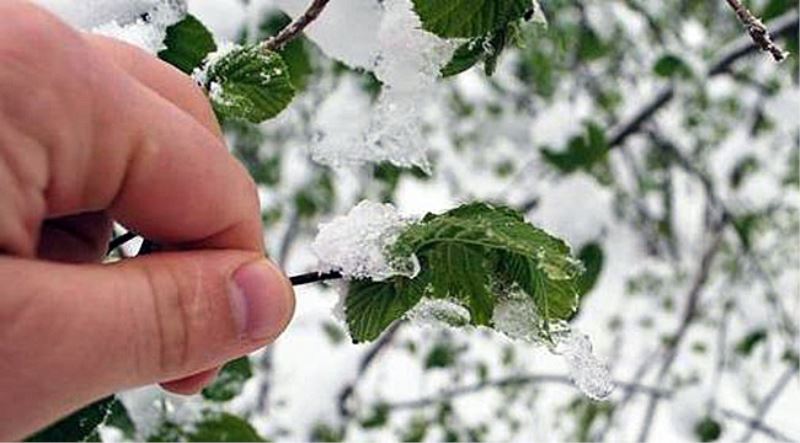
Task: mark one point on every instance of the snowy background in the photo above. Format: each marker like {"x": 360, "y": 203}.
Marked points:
{"x": 694, "y": 211}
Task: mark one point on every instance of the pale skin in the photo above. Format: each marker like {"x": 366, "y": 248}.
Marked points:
{"x": 93, "y": 130}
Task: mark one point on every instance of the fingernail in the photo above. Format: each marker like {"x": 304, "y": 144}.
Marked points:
{"x": 262, "y": 300}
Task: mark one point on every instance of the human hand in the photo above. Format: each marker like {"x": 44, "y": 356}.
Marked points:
{"x": 93, "y": 130}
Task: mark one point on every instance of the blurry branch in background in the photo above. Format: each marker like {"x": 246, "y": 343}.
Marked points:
{"x": 758, "y": 32}
{"x": 769, "y": 399}
{"x": 346, "y": 394}
{"x": 518, "y": 380}
{"x": 690, "y": 313}
{"x": 294, "y": 29}
{"x": 630, "y": 388}
{"x": 784, "y": 26}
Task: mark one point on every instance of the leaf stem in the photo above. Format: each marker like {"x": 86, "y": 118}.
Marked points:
{"x": 314, "y": 277}
{"x": 294, "y": 29}
{"x": 297, "y": 280}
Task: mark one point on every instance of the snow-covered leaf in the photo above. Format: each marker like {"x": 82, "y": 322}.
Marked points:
{"x": 470, "y": 256}
{"x": 248, "y": 83}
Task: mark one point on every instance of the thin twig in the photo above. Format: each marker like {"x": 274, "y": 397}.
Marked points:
{"x": 757, "y": 425}
{"x": 784, "y": 26}
{"x": 689, "y": 315}
{"x": 768, "y": 401}
{"x": 517, "y": 380}
{"x": 118, "y": 241}
{"x": 366, "y": 361}
{"x": 314, "y": 277}
{"x": 294, "y": 29}
{"x": 758, "y": 32}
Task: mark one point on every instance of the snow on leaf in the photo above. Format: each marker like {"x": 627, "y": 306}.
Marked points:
{"x": 247, "y": 83}
{"x": 587, "y": 371}
{"x": 469, "y": 256}
{"x": 356, "y": 244}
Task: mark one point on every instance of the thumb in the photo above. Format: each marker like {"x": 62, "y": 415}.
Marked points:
{"x": 72, "y": 333}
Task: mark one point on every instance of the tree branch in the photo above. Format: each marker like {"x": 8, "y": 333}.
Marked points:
{"x": 294, "y": 29}
{"x": 784, "y": 26}
{"x": 758, "y": 32}
{"x": 769, "y": 399}
{"x": 516, "y": 380}
{"x": 366, "y": 361}
{"x": 689, "y": 314}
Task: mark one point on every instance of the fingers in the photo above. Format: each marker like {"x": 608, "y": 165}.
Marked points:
{"x": 81, "y": 238}
{"x": 85, "y": 331}
{"x": 168, "y": 82}
{"x": 191, "y": 384}
{"x": 112, "y": 143}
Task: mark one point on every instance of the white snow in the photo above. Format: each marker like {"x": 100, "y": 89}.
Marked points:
{"x": 356, "y": 244}
{"x": 587, "y": 371}
{"x": 389, "y": 41}
{"x": 142, "y": 23}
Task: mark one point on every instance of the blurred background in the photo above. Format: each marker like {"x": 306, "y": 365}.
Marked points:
{"x": 649, "y": 134}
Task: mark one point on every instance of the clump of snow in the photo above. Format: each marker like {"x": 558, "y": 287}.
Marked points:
{"x": 436, "y": 312}
{"x": 88, "y": 14}
{"x": 341, "y": 123}
{"x": 356, "y": 244}
{"x": 516, "y": 316}
{"x": 346, "y": 30}
{"x": 142, "y": 23}
{"x": 587, "y": 371}
{"x": 407, "y": 60}
{"x": 150, "y": 29}
{"x": 150, "y": 406}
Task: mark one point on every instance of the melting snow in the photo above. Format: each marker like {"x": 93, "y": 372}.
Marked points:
{"x": 356, "y": 244}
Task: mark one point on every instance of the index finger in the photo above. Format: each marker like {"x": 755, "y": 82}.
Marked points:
{"x": 111, "y": 143}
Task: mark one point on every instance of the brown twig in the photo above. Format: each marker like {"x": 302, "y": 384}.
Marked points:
{"x": 758, "y": 31}
{"x": 294, "y": 29}
{"x": 784, "y": 26}
{"x": 690, "y": 312}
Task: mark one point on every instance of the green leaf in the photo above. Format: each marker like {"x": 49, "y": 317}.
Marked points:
{"x": 469, "y": 18}
{"x": 79, "y": 426}
{"x": 708, "y": 429}
{"x": 746, "y": 345}
{"x": 469, "y": 256}
{"x": 223, "y": 427}
{"x": 486, "y": 49}
{"x": 459, "y": 271}
{"x": 592, "y": 257}
{"x": 670, "y": 65}
{"x": 371, "y": 307}
{"x": 188, "y": 43}
{"x": 250, "y": 84}
{"x": 583, "y": 152}
{"x": 230, "y": 381}
{"x": 467, "y": 55}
